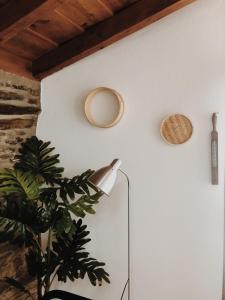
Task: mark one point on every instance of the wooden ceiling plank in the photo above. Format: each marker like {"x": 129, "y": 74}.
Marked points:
{"x": 17, "y": 15}
{"x": 43, "y": 37}
{"x": 114, "y": 5}
{"x": 55, "y": 28}
{"x": 81, "y": 29}
{"x": 70, "y": 10}
{"x": 125, "y": 22}
{"x": 28, "y": 45}
{"x": 106, "y": 7}
{"x": 94, "y": 9}
{"x": 85, "y": 13}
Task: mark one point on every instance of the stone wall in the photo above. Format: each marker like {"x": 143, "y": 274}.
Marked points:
{"x": 19, "y": 109}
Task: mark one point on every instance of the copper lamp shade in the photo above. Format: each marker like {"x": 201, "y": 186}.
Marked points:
{"x": 105, "y": 178}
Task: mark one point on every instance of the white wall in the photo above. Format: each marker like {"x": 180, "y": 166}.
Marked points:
{"x": 175, "y": 65}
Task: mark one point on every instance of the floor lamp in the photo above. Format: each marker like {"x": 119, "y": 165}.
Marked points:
{"x": 104, "y": 179}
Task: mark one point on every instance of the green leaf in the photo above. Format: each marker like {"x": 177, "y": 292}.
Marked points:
{"x": 89, "y": 209}
{"x": 74, "y": 263}
{"x": 64, "y": 223}
{"x": 76, "y": 210}
{"x": 49, "y": 264}
{"x": 36, "y": 157}
{"x": 48, "y": 196}
{"x": 22, "y": 183}
{"x": 84, "y": 205}
{"x": 95, "y": 197}
{"x": 77, "y": 185}
{"x": 20, "y": 220}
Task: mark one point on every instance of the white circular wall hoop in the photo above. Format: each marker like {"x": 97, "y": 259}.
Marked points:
{"x": 90, "y": 98}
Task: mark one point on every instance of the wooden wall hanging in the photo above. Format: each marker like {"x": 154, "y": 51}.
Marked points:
{"x": 88, "y": 112}
{"x": 176, "y": 129}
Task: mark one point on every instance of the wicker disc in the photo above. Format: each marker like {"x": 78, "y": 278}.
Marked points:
{"x": 176, "y": 129}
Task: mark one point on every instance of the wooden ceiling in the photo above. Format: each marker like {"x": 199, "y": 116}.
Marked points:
{"x": 40, "y": 37}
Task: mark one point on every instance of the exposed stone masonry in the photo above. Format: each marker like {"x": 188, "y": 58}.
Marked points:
{"x": 19, "y": 109}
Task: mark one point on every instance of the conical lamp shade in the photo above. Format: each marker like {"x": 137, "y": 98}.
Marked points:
{"x": 105, "y": 178}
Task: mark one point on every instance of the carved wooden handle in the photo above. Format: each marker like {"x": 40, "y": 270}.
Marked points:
{"x": 214, "y": 121}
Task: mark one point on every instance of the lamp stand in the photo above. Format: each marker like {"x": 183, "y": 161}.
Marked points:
{"x": 128, "y": 235}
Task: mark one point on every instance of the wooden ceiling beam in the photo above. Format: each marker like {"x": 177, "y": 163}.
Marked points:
{"x": 16, "y": 15}
{"x": 123, "y": 23}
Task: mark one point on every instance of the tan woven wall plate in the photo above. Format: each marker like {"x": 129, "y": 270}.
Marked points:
{"x": 90, "y": 98}
{"x": 176, "y": 129}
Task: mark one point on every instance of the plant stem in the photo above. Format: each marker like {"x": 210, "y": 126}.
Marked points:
{"x": 36, "y": 238}
{"x": 39, "y": 280}
{"x": 49, "y": 243}
{"x": 39, "y": 246}
{"x": 52, "y": 279}
{"x": 48, "y": 256}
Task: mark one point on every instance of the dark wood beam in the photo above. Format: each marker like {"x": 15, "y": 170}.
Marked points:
{"x": 125, "y": 22}
{"x": 17, "y": 15}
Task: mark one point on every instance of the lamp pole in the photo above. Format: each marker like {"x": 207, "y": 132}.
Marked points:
{"x": 223, "y": 291}
{"x": 104, "y": 179}
{"x": 128, "y": 237}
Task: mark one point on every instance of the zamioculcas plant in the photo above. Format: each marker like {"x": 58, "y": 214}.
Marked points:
{"x": 36, "y": 199}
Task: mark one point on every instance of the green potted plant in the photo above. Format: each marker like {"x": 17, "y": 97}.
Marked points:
{"x": 37, "y": 200}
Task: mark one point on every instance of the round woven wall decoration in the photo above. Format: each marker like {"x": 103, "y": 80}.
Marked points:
{"x": 176, "y": 129}
{"x": 88, "y": 112}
